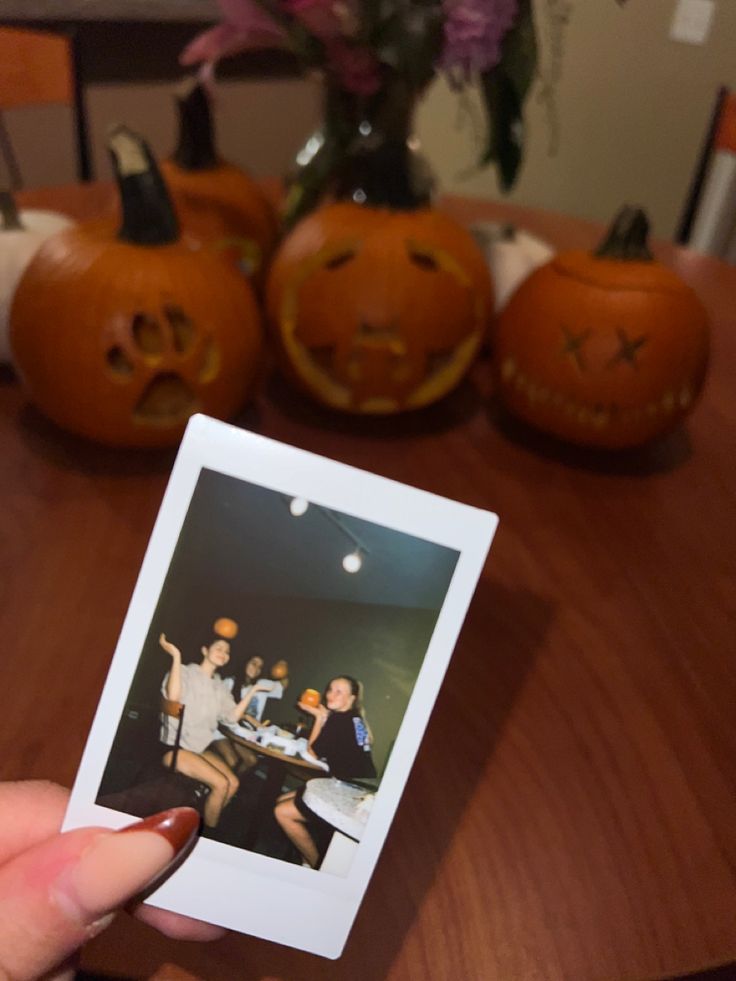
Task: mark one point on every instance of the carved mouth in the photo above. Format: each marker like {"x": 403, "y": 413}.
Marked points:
{"x": 166, "y": 399}
{"x": 596, "y": 415}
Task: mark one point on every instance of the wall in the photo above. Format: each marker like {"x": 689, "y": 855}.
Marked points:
{"x": 633, "y": 109}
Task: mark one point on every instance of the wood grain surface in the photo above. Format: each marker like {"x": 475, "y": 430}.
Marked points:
{"x": 571, "y": 814}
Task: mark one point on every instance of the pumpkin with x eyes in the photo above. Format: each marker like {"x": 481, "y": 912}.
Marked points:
{"x": 378, "y": 311}
{"x": 606, "y": 350}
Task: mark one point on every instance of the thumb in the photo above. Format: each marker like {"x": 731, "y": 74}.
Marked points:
{"x": 56, "y": 896}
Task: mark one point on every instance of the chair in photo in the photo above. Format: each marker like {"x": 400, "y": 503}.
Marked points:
{"x": 165, "y": 787}
{"x": 37, "y": 68}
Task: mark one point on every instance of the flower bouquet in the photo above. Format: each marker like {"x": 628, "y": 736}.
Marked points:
{"x": 377, "y": 57}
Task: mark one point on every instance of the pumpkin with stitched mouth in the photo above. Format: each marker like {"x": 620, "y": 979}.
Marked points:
{"x": 378, "y": 310}
{"x": 606, "y": 350}
{"x": 122, "y": 333}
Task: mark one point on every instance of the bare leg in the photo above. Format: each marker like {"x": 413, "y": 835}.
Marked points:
{"x": 294, "y": 827}
{"x": 232, "y": 781}
{"x": 237, "y": 757}
{"x": 196, "y": 766}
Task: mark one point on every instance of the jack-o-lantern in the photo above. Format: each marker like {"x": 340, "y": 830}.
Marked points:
{"x": 280, "y": 670}
{"x": 378, "y": 310}
{"x": 310, "y": 696}
{"x": 121, "y": 335}
{"x": 606, "y": 349}
{"x": 216, "y": 202}
{"x": 225, "y": 627}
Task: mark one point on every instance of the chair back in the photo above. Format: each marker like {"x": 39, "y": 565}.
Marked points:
{"x": 36, "y": 69}
{"x": 176, "y": 711}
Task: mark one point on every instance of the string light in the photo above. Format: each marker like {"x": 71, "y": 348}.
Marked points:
{"x": 353, "y": 561}
{"x": 298, "y": 506}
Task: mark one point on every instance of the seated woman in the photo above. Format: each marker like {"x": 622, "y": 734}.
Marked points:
{"x": 237, "y": 756}
{"x": 342, "y": 738}
{"x": 207, "y": 702}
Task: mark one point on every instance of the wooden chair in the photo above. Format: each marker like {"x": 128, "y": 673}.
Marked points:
{"x": 39, "y": 68}
{"x": 162, "y": 787}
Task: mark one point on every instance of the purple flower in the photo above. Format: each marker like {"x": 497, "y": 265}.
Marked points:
{"x": 474, "y": 30}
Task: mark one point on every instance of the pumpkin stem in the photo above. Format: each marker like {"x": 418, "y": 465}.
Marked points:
{"x": 148, "y": 214}
{"x": 627, "y": 237}
{"x": 9, "y": 213}
{"x": 196, "y": 147}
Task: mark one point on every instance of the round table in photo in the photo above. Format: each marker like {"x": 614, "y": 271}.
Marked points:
{"x": 571, "y": 813}
{"x": 346, "y": 807}
{"x": 275, "y": 766}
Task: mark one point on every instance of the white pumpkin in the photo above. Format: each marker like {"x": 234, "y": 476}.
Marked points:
{"x": 512, "y": 255}
{"x": 17, "y": 248}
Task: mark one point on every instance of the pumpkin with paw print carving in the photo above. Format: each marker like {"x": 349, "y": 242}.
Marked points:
{"x": 607, "y": 349}
{"x": 120, "y": 335}
{"x": 378, "y": 310}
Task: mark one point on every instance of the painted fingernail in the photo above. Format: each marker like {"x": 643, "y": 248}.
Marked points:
{"x": 120, "y": 865}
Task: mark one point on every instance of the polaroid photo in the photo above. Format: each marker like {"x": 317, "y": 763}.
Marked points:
{"x": 303, "y": 613}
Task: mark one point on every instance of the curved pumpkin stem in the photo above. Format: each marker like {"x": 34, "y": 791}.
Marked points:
{"x": 9, "y": 213}
{"x": 627, "y": 237}
{"x": 196, "y": 147}
{"x": 148, "y": 214}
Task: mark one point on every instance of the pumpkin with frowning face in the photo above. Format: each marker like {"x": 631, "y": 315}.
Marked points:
{"x": 378, "y": 310}
{"x": 606, "y": 349}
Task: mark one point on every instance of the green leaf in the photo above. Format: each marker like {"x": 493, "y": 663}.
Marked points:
{"x": 504, "y": 123}
{"x": 519, "y": 53}
{"x": 504, "y": 89}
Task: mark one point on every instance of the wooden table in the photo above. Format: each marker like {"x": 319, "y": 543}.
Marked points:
{"x": 584, "y": 824}
{"x": 276, "y": 765}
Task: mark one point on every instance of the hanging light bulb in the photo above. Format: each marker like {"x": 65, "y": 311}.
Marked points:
{"x": 298, "y": 506}
{"x": 353, "y": 561}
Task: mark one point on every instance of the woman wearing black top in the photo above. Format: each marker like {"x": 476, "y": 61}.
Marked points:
{"x": 341, "y": 737}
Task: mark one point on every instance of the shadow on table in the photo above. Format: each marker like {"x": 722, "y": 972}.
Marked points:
{"x": 449, "y": 412}
{"x": 504, "y": 631}
{"x": 660, "y": 456}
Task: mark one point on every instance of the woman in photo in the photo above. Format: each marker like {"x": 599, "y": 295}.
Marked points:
{"x": 342, "y": 738}
{"x": 239, "y": 758}
{"x": 207, "y": 702}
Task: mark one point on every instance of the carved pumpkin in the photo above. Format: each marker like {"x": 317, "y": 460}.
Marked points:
{"x": 280, "y": 670}
{"x": 225, "y": 627}
{"x": 217, "y": 202}
{"x": 21, "y": 233}
{"x": 606, "y": 349}
{"x": 121, "y": 335}
{"x": 310, "y": 697}
{"x": 378, "y": 310}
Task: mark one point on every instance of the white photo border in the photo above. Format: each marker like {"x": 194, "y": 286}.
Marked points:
{"x": 217, "y": 882}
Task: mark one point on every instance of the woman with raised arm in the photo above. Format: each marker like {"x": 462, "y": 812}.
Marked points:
{"x": 342, "y": 738}
{"x": 207, "y": 702}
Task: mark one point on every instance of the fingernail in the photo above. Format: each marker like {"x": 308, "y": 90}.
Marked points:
{"x": 117, "y": 866}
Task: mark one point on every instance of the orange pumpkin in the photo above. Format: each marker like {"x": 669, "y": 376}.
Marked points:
{"x": 280, "y": 670}
{"x": 378, "y": 310}
{"x": 121, "y": 335}
{"x": 225, "y": 627}
{"x": 310, "y": 697}
{"x": 606, "y": 349}
{"x": 216, "y": 202}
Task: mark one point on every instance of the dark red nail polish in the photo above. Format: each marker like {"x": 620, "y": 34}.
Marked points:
{"x": 178, "y": 826}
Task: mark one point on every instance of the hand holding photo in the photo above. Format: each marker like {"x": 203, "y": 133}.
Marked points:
{"x": 269, "y": 564}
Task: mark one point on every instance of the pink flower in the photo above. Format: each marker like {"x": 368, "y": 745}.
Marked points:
{"x": 320, "y": 17}
{"x": 244, "y": 27}
{"x": 355, "y": 68}
{"x": 474, "y": 30}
